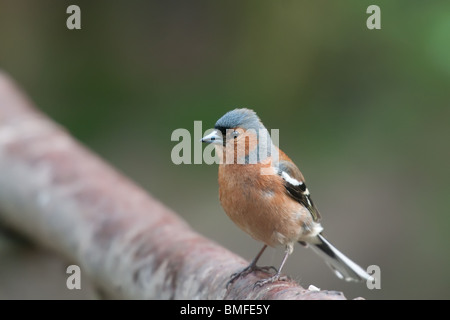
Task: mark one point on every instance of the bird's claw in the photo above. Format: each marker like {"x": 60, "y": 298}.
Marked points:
{"x": 239, "y": 274}
{"x": 272, "y": 279}
{"x": 248, "y": 270}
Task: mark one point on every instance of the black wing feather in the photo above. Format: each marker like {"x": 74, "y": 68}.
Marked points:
{"x": 299, "y": 192}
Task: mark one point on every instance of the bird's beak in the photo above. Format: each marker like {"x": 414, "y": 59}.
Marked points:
{"x": 213, "y": 137}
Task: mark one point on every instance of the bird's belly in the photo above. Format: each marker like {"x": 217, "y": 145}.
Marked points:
{"x": 265, "y": 212}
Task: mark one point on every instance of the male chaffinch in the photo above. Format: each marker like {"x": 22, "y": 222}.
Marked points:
{"x": 265, "y": 194}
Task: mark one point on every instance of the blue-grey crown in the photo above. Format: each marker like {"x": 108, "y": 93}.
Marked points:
{"x": 242, "y": 118}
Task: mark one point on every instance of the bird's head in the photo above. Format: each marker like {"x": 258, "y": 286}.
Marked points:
{"x": 242, "y": 133}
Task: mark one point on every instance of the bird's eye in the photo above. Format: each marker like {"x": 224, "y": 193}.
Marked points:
{"x": 235, "y": 134}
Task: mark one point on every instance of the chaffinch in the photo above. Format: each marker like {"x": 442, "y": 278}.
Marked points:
{"x": 265, "y": 194}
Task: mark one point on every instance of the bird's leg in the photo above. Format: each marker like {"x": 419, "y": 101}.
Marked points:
{"x": 251, "y": 267}
{"x": 277, "y": 276}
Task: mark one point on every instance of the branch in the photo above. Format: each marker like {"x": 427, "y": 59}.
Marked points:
{"x": 59, "y": 194}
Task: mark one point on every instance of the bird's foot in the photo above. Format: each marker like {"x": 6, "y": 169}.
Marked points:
{"x": 239, "y": 274}
{"x": 249, "y": 269}
{"x": 276, "y": 277}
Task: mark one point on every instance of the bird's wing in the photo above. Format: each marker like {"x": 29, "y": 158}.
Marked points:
{"x": 296, "y": 187}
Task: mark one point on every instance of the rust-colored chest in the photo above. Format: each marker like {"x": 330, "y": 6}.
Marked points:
{"x": 257, "y": 203}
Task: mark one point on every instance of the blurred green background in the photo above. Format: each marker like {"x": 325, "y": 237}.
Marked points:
{"x": 364, "y": 114}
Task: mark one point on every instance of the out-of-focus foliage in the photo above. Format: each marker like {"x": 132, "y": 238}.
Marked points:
{"x": 365, "y": 114}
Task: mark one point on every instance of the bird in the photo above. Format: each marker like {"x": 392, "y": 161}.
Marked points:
{"x": 264, "y": 193}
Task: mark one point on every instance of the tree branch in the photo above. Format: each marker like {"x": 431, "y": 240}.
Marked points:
{"x": 56, "y": 192}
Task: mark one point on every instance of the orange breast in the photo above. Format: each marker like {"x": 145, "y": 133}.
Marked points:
{"x": 259, "y": 205}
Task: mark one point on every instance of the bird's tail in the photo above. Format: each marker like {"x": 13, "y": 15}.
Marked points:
{"x": 342, "y": 266}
